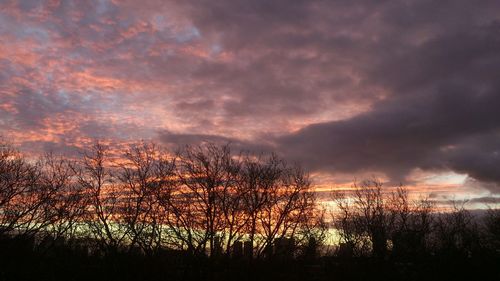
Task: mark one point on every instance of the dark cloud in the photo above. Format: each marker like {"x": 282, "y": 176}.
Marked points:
{"x": 486, "y": 200}
{"x": 442, "y": 113}
{"x": 175, "y": 140}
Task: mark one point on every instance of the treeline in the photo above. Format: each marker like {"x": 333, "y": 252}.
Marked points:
{"x": 146, "y": 209}
{"x": 385, "y": 223}
{"x": 204, "y": 200}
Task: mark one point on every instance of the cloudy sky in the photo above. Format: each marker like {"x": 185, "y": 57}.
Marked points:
{"x": 407, "y": 91}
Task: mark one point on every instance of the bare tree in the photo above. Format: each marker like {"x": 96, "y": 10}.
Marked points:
{"x": 258, "y": 177}
{"x": 456, "y": 232}
{"x": 204, "y": 199}
{"x": 21, "y": 198}
{"x": 346, "y": 223}
{"x": 103, "y": 210}
{"x": 146, "y": 176}
{"x": 64, "y": 206}
{"x": 289, "y": 200}
{"x": 206, "y": 174}
{"x": 492, "y": 224}
{"x": 365, "y": 219}
{"x": 412, "y": 224}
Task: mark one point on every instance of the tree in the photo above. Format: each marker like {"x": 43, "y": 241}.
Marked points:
{"x": 21, "y": 197}
{"x": 456, "y": 233}
{"x": 492, "y": 224}
{"x": 104, "y": 206}
{"x": 207, "y": 174}
{"x": 64, "y": 204}
{"x": 258, "y": 177}
{"x": 412, "y": 224}
{"x": 146, "y": 175}
{"x": 203, "y": 199}
{"x": 365, "y": 219}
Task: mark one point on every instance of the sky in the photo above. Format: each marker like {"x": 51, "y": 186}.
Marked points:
{"x": 404, "y": 91}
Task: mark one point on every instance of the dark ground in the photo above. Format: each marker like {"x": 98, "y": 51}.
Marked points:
{"x": 19, "y": 260}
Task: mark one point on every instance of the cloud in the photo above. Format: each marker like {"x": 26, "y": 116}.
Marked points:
{"x": 486, "y": 200}
{"x": 342, "y": 86}
{"x": 442, "y": 114}
{"x": 175, "y": 140}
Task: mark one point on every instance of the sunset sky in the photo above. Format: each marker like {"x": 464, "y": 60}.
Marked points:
{"x": 405, "y": 91}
